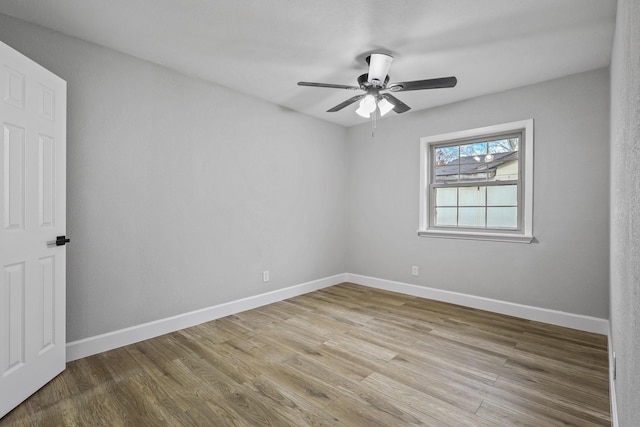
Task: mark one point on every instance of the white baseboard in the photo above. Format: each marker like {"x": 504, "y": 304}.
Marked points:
{"x": 554, "y": 317}
{"x": 112, "y": 340}
{"x": 612, "y": 386}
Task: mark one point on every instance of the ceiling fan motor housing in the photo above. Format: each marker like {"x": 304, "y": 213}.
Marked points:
{"x": 363, "y": 82}
{"x": 379, "y": 64}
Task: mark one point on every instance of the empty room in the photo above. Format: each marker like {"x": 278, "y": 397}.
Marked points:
{"x": 338, "y": 213}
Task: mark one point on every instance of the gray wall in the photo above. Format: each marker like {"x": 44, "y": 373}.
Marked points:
{"x": 181, "y": 192}
{"x": 625, "y": 210}
{"x": 567, "y": 269}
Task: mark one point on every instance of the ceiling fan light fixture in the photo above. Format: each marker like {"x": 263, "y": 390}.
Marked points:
{"x": 384, "y": 106}
{"x": 367, "y": 106}
{"x": 363, "y": 113}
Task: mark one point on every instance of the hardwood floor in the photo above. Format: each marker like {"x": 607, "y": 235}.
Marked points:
{"x": 344, "y": 355}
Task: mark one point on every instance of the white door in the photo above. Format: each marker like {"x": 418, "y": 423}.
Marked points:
{"x": 32, "y": 214}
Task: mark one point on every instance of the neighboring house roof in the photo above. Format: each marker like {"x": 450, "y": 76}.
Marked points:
{"x": 469, "y": 165}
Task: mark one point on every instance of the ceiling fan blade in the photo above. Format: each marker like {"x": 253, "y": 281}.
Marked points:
{"x": 398, "y": 106}
{"x": 346, "y": 103}
{"x": 379, "y": 65}
{"x": 442, "y": 82}
{"x": 329, "y": 85}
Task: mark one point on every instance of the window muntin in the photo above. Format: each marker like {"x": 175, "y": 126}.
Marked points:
{"x": 478, "y": 183}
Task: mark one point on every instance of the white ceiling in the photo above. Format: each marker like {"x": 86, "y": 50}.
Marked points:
{"x": 264, "y": 47}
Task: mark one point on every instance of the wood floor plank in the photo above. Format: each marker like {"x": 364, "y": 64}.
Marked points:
{"x": 588, "y": 410}
{"x": 307, "y": 387}
{"x": 555, "y": 390}
{"x": 426, "y": 404}
{"x": 545, "y": 412}
{"x": 504, "y": 416}
{"x": 442, "y": 385}
{"x": 340, "y": 366}
{"x": 588, "y": 380}
{"x": 345, "y": 388}
{"x": 297, "y": 410}
{"x": 369, "y": 407}
{"x": 346, "y": 355}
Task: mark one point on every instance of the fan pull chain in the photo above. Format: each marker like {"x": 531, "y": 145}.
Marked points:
{"x": 374, "y": 116}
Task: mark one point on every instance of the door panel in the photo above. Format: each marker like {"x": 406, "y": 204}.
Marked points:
{"x": 33, "y": 197}
{"x": 14, "y": 177}
{"x": 46, "y": 181}
{"x": 14, "y": 315}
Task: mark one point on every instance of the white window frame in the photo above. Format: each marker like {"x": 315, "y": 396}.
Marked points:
{"x": 525, "y": 232}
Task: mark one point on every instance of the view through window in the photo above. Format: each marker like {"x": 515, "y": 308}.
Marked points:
{"x": 475, "y": 184}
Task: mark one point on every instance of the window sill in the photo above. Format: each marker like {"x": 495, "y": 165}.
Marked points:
{"x": 470, "y": 235}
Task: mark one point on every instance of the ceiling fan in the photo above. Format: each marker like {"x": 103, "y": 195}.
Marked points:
{"x": 376, "y": 85}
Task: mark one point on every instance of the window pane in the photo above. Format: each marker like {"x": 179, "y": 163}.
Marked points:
{"x": 506, "y": 166}
{"x": 447, "y": 173}
{"x": 446, "y": 155}
{"x": 503, "y": 195}
{"x": 503, "y": 145}
{"x": 446, "y": 216}
{"x": 472, "y": 196}
{"x": 471, "y": 217}
{"x": 471, "y": 150}
{"x": 472, "y": 162}
{"x": 446, "y": 196}
{"x": 502, "y": 217}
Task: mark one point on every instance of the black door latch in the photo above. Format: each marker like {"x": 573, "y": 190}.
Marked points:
{"x": 62, "y": 240}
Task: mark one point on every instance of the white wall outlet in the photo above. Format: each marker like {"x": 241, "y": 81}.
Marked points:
{"x": 415, "y": 271}
{"x": 265, "y": 276}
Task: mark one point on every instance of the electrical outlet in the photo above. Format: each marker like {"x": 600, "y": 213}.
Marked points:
{"x": 415, "y": 271}
{"x": 265, "y": 276}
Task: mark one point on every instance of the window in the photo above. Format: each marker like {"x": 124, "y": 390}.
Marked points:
{"x": 478, "y": 183}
